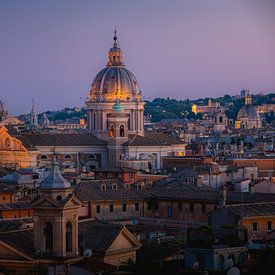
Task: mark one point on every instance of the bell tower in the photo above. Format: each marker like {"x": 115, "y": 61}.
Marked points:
{"x": 117, "y": 133}
{"x": 55, "y": 217}
{"x": 221, "y": 121}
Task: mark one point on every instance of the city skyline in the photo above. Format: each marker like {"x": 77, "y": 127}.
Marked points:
{"x": 52, "y": 50}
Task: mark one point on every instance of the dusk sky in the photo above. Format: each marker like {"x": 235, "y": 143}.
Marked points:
{"x": 51, "y": 50}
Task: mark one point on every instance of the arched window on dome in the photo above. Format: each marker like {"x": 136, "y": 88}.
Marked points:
{"x": 121, "y": 130}
{"x": 111, "y": 132}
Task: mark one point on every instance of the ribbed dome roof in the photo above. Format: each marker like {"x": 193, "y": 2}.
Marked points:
{"x": 54, "y": 180}
{"x": 248, "y": 112}
{"x": 115, "y": 82}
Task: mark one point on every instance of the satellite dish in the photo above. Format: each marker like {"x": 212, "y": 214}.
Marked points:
{"x": 87, "y": 253}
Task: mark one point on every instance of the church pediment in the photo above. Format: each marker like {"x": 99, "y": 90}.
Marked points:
{"x": 72, "y": 202}
{"x": 124, "y": 241}
{"x": 45, "y": 202}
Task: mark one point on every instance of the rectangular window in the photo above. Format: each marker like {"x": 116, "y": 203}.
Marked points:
{"x": 203, "y": 208}
{"x": 191, "y": 208}
{"x": 169, "y": 212}
{"x": 255, "y": 226}
{"x": 137, "y": 206}
{"x": 124, "y": 207}
{"x": 180, "y": 206}
{"x": 269, "y": 225}
{"x": 98, "y": 209}
{"x": 111, "y": 208}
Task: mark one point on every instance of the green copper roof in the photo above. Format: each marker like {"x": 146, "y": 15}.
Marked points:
{"x": 117, "y": 107}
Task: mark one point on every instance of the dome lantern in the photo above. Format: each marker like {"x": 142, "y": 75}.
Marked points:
{"x": 115, "y": 54}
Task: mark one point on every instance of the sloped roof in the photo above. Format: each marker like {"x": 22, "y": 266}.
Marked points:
{"x": 253, "y": 209}
{"x": 30, "y": 140}
{"x": 97, "y": 236}
{"x": 153, "y": 139}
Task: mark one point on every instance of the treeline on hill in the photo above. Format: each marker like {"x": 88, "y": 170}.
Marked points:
{"x": 166, "y": 108}
{"x": 161, "y": 108}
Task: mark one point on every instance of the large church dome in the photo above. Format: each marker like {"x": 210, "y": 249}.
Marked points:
{"x": 248, "y": 112}
{"x": 115, "y": 82}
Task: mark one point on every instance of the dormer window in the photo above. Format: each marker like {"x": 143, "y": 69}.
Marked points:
{"x": 68, "y": 157}
{"x": 43, "y": 157}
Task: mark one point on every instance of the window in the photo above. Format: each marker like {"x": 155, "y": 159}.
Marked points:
{"x": 111, "y": 132}
{"x": 4, "y": 198}
{"x": 69, "y": 236}
{"x": 48, "y": 234}
{"x": 269, "y": 225}
{"x": 180, "y": 206}
{"x": 109, "y": 175}
{"x": 111, "y": 208}
{"x": 221, "y": 119}
{"x": 203, "y": 208}
{"x": 103, "y": 186}
{"x": 169, "y": 211}
{"x": 124, "y": 207}
{"x": 191, "y": 208}
{"x": 255, "y": 226}
{"x": 121, "y": 130}
{"x": 137, "y": 206}
{"x": 43, "y": 157}
{"x": 91, "y": 157}
{"x": 114, "y": 186}
{"x": 127, "y": 186}
{"x": 130, "y": 175}
{"x": 98, "y": 209}
{"x": 68, "y": 157}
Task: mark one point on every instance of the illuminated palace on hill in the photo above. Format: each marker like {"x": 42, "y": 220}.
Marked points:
{"x": 116, "y": 130}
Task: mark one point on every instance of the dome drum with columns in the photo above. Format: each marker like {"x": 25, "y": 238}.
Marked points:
{"x": 113, "y": 83}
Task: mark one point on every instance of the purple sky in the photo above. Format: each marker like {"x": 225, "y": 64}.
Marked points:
{"x": 184, "y": 49}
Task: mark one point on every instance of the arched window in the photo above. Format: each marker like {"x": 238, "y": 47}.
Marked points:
{"x": 48, "y": 234}
{"x": 69, "y": 235}
{"x": 121, "y": 130}
{"x": 43, "y": 157}
{"x": 221, "y": 262}
{"x": 91, "y": 157}
{"x": 111, "y": 131}
{"x": 68, "y": 157}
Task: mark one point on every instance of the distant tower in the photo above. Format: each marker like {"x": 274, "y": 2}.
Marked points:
{"x": 55, "y": 217}
{"x": 3, "y": 111}
{"x": 117, "y": 133}
{"x": 33, "y": 117}
{"x": 221, "y": 121}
